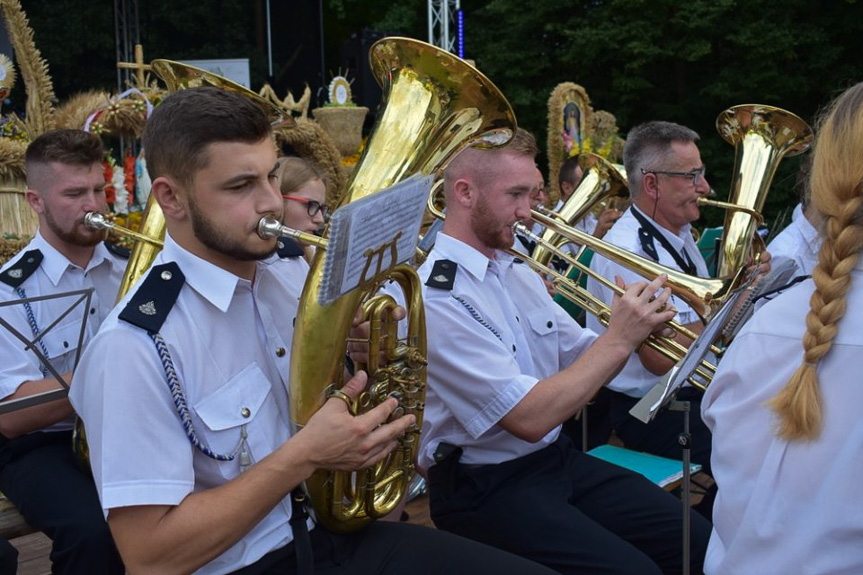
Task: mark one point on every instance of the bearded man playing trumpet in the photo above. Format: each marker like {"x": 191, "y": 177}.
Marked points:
{"x": 507, "y": 366}
{"x": 38, "y": 471}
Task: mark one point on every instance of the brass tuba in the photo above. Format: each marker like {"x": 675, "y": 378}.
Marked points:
{"x": 434, "y": 105}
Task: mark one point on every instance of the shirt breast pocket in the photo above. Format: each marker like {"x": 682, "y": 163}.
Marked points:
{"x": 61, "y": 340}
{"x": 243, "y": 405}
{"x": 543, "y": 330}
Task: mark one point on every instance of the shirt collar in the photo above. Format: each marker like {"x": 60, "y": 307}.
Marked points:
{"x": 213, "y": 283}
{"x": 55, "y": 264}
{"x": 807, "y": 230}
{"x": 469, "y": 258}
{"x": 678, "y": 241}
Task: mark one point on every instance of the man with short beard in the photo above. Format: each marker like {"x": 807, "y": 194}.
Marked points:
{"x": 38, "y": 471}
{"x": 507, "y": 366}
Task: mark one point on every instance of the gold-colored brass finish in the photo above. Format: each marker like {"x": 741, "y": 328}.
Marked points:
{"x": 578, "y": 295}
{"x": 434, "y": 105}
{"x": 602, "y": 181}
{"x": 179, "y": 76}
{"x": 762, "y": 137}
{"x": 270, "y": 227}
{"x": 98, "y": 221}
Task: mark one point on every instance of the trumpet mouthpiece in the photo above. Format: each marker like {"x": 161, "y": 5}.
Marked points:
{"x": 96, "y": 221}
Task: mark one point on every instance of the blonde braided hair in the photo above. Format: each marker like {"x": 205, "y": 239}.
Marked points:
{"x": 836, "y": 184}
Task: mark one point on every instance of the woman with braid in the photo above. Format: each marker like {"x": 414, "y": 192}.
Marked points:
{"x": 785, "y": 404}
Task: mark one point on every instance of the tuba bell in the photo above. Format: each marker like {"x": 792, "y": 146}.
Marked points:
{"x": 434, "y": 105}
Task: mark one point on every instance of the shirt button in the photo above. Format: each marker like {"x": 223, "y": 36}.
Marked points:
{"x": 166, "y": 275}
{"x": 513, "y": 348}
{"x": 246, "y": 412}
{"x": 280, "y": 352}
{"x": 516, "y": 319}
{"x": 549, "y": 324}
{"x": 92, "y": 310}
{"x": 66, "y": 344}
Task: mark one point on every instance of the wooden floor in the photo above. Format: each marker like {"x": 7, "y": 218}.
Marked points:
{"x": 33, "y": 549}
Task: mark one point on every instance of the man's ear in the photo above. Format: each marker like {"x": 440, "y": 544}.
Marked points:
{"x": 463, "y": 192}
{"x": 170, "y": 197}
{"x": 650, "y": 186}
{"x": 34, "y": 198}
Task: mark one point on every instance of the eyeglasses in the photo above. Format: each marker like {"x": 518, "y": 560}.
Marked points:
{"x": 312, "y": 206}
{"x": 694, "y": 175}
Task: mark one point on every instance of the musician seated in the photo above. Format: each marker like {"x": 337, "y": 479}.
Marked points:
{"x": 38, "y": 469}
{"x": 666, "y": 178}
{"x": 304, "y": 189}
{"x": 192, "y": 450}
{"x": 785, "y": 414}
{"x": 506, "y": 367}
{"x": 800, "y": 240}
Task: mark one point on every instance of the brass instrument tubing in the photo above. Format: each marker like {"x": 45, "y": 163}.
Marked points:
{"x": 270, "y": 227}
{"x": 598, "y": 308}
{"x": 97, "y": 221}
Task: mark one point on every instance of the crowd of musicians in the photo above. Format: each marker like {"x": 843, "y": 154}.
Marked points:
{"x": 184, "y": 385}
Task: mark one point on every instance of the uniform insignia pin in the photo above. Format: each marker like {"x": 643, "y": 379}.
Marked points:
{"x": 440, "y": 278}
{"x": 16, "y": 273}
{"x": 148, "y": 308}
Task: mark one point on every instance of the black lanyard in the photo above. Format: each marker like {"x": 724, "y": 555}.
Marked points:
{"x": 648, "y": 233}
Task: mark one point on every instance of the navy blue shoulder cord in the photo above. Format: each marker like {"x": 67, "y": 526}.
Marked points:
{"x": 34, "y": 327}
{"x": 476, "y": 315}
{"x": 183, "y": 410}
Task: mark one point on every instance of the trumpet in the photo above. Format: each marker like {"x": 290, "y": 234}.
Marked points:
{"x": 693, "y": 290}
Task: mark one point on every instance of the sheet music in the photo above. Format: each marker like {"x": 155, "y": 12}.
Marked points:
{"x": 373, "y": 234}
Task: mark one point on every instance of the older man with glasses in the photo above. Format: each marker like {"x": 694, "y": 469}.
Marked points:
{"x": 666, "y": 179}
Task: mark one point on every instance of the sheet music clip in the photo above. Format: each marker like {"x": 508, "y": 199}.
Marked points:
{"x": 663, "y": 392}
{"x": 372, "y": 235}
{"x": 83, "y": 297}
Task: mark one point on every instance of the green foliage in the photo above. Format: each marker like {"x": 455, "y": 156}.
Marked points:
{"x": 672, "y": 60}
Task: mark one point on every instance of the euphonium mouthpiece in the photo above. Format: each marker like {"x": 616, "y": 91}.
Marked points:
{"x": 270, "y": 227}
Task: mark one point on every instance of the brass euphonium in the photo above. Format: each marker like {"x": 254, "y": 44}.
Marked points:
{"x": 602, "y": 181}
{"x": 434, "y": 105}
{"x": 762, "y": 136}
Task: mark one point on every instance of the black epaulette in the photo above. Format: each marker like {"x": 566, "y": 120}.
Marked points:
{"x": 646, "y": 240}
{"x": 22, "y": 269}
{"x": 442, "y": 275}
{"x": 151, "y": 304}
{"x": 118, "y": 250}
{"x": 288, "y": 248}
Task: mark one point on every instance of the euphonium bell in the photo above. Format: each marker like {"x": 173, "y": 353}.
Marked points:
{"x": 602, "y": 181}
{"x": 434, "y": 104}
{"x": 762, "y": 137}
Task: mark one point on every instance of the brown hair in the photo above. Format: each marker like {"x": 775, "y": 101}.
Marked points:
{"x": 476, "y": 160}
{"x": 836, "y": 187}
{"x": 295, "y": 172}
{"x": 71, "y": 147}
{"x": 177, "y": 134}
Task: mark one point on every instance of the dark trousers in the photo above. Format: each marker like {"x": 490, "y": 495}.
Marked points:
{"x": 395, "y": 548}
{"x": 569, "y": 511}
{"x": 660, "y": 436}
{"x": 8, "y": 558}
{"x": 39, "y": 475}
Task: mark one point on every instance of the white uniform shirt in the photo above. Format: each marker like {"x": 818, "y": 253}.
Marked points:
{"x": 799, "y": 241}
{"x": 490, "y": 339}
{"x": 787, "y": 507}
{"x": 230, "y": 343}
{"x": 55, "y": 274}
{"x": 635, "y": 380}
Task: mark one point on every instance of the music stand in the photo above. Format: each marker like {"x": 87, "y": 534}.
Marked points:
{"x": 84, "y": 297}
{"x": 664, "y": 395}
